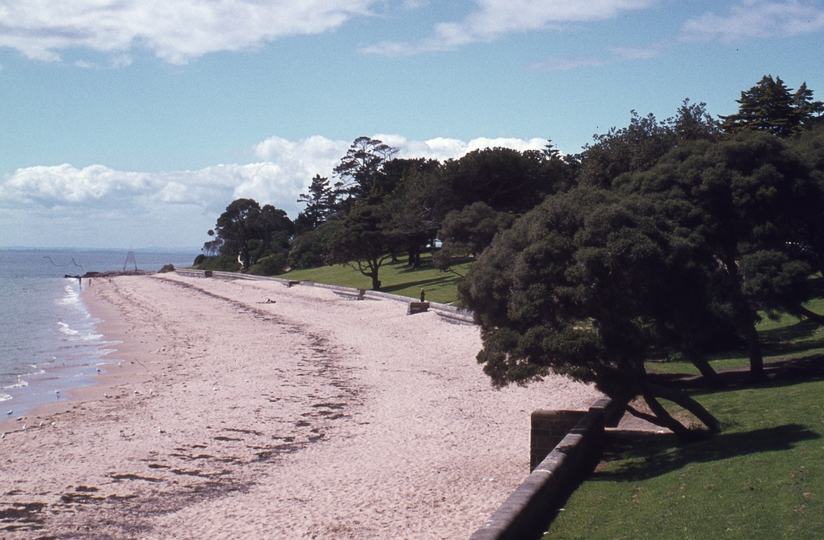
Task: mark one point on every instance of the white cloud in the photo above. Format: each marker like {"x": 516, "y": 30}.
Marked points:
{"x": 92, "y": 203}
{"x": 286, "y": 169}
{"x": 443, "y": 149}
{"x": 753, "y": 19}
{"x": 175, "y": 31}
{"x": 496, "y": 18}
{"x": 559, "y": 63}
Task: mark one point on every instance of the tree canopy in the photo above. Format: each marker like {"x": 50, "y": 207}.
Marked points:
{"x": 576, "y": 287}
{"x": 772, "y": 107}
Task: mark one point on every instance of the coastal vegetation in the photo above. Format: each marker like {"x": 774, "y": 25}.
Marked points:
{"x": 664, "y": 239}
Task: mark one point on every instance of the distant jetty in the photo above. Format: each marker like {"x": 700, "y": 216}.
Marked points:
{"x": 111, "y": 273}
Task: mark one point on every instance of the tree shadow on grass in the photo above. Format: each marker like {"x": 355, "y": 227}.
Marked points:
{"x": 649, "y": 455}
{"x": 778, "y": 373}
{"x": 802, "y": 330}
{"x": 430, "y": 282}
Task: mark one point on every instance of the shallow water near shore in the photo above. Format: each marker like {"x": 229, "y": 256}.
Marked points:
{"x": 48, "y": 340}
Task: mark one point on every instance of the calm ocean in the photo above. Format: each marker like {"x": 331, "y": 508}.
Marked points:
{"x": 48, "y": 340}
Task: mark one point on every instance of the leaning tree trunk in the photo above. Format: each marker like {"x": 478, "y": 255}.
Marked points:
{"x": 746, "y": 318}
{"x": 661, "y": 417}
{"x": 753, "y": 348}
{"x": 681, "y": 398}
{"x": 701, "y": 363}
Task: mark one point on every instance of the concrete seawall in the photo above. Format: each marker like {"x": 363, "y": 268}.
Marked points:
{"x": 529, "y": 510}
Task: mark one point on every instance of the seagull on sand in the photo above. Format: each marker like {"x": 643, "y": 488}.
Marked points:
{"x": 25, "y": 428}
{"x": 9, "y": 413}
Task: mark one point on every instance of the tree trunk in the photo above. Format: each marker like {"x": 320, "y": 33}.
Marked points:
{"x": 414, "y": 254}
{"x": 709, "y": 374}
{"x": 680, "y": 398}
{"x": 663, "y": 418}
{"x": 753, "y": 348}
{"x": 746, "y": 321}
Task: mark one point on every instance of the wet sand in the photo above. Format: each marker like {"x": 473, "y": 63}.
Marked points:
{"x": 224, "y": 416}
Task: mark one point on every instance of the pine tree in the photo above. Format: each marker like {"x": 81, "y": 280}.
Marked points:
{"x": 771, "y": 106}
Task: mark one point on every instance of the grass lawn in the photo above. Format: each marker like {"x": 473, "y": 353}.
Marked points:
{"x": 762, "y": 477}
{"x": 788, "y": 337}
{"x": 397, "y": 278}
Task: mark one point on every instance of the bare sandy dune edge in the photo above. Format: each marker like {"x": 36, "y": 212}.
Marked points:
{"x": 310, "y": 417}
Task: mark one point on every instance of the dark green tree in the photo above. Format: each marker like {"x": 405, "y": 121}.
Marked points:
{"x": 811, "y": 148}
{"x": 309, "y": 249}
{"x": 469, "y": 231}
{"x": 415, "y": 203}
{"x": 642, "y": 143}
{"x": 505, "y": 179}
{"x": 319, "y": 204}
{"x": 772, "y": 107}
{"x": 363, "y": 241}
{"x": 359, "y": 171}
{"x": 574, "y": 287}
{"x": 751, "y": 198}
{"x": 247, "y": 232}
{"x": 236, "y": 227}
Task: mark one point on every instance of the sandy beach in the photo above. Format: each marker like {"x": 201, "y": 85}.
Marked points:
{"x": 222, "y": 415}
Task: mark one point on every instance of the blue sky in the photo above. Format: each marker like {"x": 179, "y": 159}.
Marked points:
{"x": 134, "y": 123}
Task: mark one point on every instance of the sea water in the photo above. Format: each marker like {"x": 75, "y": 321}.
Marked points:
{"x": 48, "y": 340}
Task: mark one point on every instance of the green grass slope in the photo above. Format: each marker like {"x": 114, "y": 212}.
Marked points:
{"x": 396, "y": 278}
{"x": 761, "y": 478}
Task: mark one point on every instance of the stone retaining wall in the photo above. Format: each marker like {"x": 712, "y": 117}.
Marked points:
{"x": 548, "y": 429}
{"x": 528, "y": 511}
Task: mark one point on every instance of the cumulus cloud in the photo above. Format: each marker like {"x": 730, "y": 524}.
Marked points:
{"x": 496, "y": 18}
{"x": 753, "y": 19}
{"x": 175, "y": 31}
{"x": 443, "y": 149}
{"x": 97, "y": 206}
{"x": 285, "y": 170}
